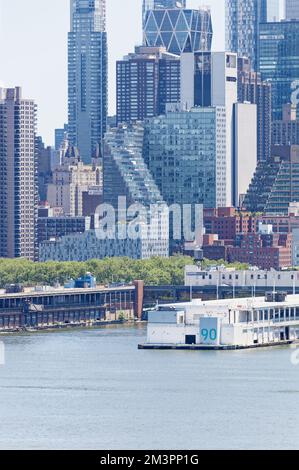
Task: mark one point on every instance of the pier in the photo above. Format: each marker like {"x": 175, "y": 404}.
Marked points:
{"x": 233, "y": 324}
{"x": 68, "y": 307}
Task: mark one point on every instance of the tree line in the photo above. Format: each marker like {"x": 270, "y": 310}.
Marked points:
{"x": 155, "y": 271}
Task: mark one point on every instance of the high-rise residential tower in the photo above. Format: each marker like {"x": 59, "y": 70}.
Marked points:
{"x": 87, "y": 77}
{"x": 292, "y": 10}
{"x": 242, "y": 27}
{"x": 18, "y": 175}
{"x": 243, "y": 19}
{"x": 147, "y": 81}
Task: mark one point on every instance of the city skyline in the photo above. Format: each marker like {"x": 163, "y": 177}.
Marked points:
{"x": 40, "y": 67}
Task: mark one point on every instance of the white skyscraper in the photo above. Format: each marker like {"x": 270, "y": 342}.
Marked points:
{"x": 245, "y": 149}
{"x": 275, "y": 10}
{"x": 225, "y": 93}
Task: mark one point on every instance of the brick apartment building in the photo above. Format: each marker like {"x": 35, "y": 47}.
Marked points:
{"x": 263, "y": 250}
{"x": 237, "y": 236}
{"x": 228, "y": 222}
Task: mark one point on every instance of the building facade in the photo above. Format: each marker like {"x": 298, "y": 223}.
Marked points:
{"x": 87, "y": 77}
{"x": 186, "y": 154}
{"x": 286, "y": 131}
{"x": 60, "y": 135}
{"x": 18, "y": 175}
{"x": 196, "y": 79}
{"x": 227, "y": 222}
{"x": 44, "y": 158}
{"x": 243, "y": 18}
{"x": 160, "y": 5}
{"x": 127, "y": 178}
{"x": 87, "y": 246}
{"x": 212, "y": 79}
{"x": 273, "y": 10}
{"x": 56, "y": 227}
{"x": 275, "y": 184}
{"x": 292, "y": 10}
{"x": 252, "y": 89}
{"x": 244, "y": 150}
{"x": 265, "y": 251}
{"x": 179, "y": 30}
{"x": 279, "y": 63}
{"x": 147, "y": 81}
{"x": 251, "y": 278}
{"x": 70, "y": 180}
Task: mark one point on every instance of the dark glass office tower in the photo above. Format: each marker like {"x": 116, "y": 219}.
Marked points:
{"x": 279, "y": 63}
{"x": 87, "y": 77}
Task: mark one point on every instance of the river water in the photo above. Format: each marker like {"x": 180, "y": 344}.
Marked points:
{"x": 93, "y": 389}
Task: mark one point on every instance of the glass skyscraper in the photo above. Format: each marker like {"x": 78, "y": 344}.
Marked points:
{"x": 242, "y": 27}
{"x": 186, "y": 154}
{"x": 279, "y": 63}
{"x": 87, "y": 77}
{"x": 179, "y": 30}
{"x": 292, "y": 9}
{"x": 160, "y": 4}
{"x": 243, "y": 18}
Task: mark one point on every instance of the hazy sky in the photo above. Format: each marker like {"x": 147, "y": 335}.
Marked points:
{"x": 33, "y": 45}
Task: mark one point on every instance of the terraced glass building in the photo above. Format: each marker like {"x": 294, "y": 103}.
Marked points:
{"x": 276, "y": 182}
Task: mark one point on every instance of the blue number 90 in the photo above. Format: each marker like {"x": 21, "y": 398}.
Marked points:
{"x": 205, "y": 334}
{"x": 209, "y": 334}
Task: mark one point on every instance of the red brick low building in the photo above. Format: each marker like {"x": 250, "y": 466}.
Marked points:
{"x": 234, "y": 236}
{"x": 263, "y": 251}
{"x": 228, "y": 222}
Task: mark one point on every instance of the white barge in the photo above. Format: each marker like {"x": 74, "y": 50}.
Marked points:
{"x": 225, "y": 324}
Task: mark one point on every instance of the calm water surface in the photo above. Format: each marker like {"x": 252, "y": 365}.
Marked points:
{"x": 94, "y": 390}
